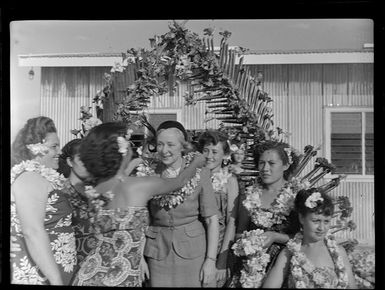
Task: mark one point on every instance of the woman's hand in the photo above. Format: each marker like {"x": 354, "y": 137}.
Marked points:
{"x": 199, "y": 160}
{"x": 274, "y": 237}
{"x": 270, "y": 238}
{"x": 208, "y": 271}
{"x": 221, "y": 275}
{"x": 144, "y": 271}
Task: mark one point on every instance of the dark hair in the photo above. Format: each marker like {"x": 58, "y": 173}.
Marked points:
{"x": 68, "y": 151}
{"x": 173, "y": 124}
{"x": 278, "y": 147}
{"x": 99, "y": 150}
{"x": 213, "y": 137}
{"x": 34, "y": 131}
{"x": 326, "y": 207}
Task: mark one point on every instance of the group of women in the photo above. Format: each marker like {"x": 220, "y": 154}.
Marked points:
{"x": 85, "y": 215}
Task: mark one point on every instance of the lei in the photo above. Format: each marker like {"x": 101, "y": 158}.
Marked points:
{"x": 51, "y": 175}
{"x": 174, "y": 198}
{"x": 299, "y": 263}
{"x": 219, "y": 179}
{"x": 250, "y": 244}
{"x": 281, "y": 206}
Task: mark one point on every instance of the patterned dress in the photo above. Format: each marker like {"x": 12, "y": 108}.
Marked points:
{"x": 324, "y": 273}
{"x": 84, "y": 230}
{"x": 116, "y": 258}
{"x": 62, "y": 240}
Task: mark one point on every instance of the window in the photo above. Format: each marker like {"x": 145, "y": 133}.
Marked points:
{"x": 350, "y": 141}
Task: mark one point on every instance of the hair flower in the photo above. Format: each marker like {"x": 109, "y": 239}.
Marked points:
{"x": 123, "y": 145}
{"x": 288, "y": 152}
{"x": 311, "y": 201}
{"x": 38, "y": 148}
{"x": 233, "y": 148}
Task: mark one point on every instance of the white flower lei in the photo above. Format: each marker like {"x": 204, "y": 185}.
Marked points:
{"x": 251, "y": 245}
{"x": 280, "y": 209}
{"x": 177, "y": 197}
{"x": 54, "y": 178}
{"x": 300, "y": 263}
{"x": 220, "y": 179}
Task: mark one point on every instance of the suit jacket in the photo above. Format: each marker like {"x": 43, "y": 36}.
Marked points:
{"x": 179, "y": 228}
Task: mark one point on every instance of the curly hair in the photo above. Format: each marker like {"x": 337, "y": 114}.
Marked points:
{"x": 326, "y": 207}
{"x": 278, "y": 147}
{"x": 34, "y": 131}
{"x": 68, "y": 151}
{"x": 213, "y": 137}
{"x": 99, "y": 150}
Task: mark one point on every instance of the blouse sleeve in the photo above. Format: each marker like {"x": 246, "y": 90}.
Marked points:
{"x": 207, "y": 203}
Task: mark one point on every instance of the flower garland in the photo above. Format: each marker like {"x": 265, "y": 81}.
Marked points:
{"x": 220, "y": 178}
{"x": 173, "y": 199}
{"x": 51, "y": 175}
{"x": 300, "y": 263}
{"x": 96, "y": 200}
{"x": 251, "y": 244}
{"x": 281, "y": 206}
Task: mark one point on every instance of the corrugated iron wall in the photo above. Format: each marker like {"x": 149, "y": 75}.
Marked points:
{"x": 64, "y": 90}
{"x": 300, "y": 93}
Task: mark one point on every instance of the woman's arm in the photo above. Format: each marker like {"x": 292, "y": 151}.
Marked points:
{"x": 132, "y": 165}
{"x": 278, "y": 273}
{"x": 348, "y": 266}
{"x": 208, "y": 270}
{"x": 243, "y": 217}
{"x": 275, "y": 237}
{"x": 31, "y": 192}
{"x": 232, "y": 211}
{"x": 151, "y": 185}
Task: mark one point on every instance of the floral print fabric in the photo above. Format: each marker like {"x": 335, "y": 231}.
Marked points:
{"x": 62, "y": 241}
{"x": 81, "y": 222}
{"x": 116, "y": 258}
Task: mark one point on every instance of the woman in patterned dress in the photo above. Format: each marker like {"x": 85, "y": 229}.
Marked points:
{"x": 73, "y": 169}
{"x": 122, "y": 216}
{"x": 312, "y": 259}
{"x": 215, "y": 147}
{"x": 40, "y": 212}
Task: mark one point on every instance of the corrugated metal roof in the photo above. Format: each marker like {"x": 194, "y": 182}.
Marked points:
{"x": 247, "y": 52}
{"x": 250, "y": 57}
{"x": 307, "y": 51}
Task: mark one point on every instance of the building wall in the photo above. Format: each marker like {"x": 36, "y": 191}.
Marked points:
{"x": 300, "y": 93}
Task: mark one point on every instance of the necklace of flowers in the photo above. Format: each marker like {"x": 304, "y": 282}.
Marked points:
{"x": 174, "y": 198}
{"x": 250, "y": 244}
{"x": 280, "y": 208}
{"x": 299, "y": 263}
{"x": 220, "y": 178}
{"x": 51, "y": 175}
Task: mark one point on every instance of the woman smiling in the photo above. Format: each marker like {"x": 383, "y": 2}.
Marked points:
{"x": 179, "y": 250}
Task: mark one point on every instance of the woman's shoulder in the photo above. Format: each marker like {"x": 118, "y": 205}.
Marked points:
{"x": 28, "y": 177}
{"x": 28, "y": 181}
